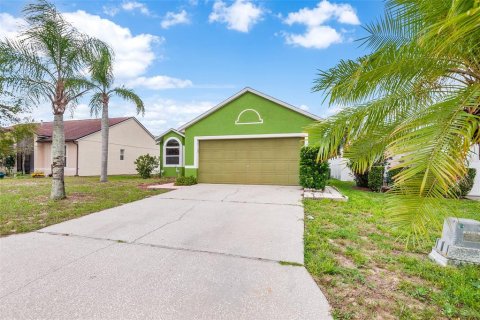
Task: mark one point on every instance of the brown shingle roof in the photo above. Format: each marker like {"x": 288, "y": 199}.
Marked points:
{"x": 75, "y": 129}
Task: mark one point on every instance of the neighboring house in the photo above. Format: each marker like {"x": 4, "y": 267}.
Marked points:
{"x": 128, "y": 139}
{"x": 250, "y": 138}
{"x": 340, "y": 171}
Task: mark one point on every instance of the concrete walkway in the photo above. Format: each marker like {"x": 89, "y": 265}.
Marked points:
{"x": 202, "y": 252}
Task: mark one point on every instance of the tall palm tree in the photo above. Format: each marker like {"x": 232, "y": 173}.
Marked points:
{"x": 416, "y": 98}
{"x": 102, "y": 80}
{"x": 45, "y": 63}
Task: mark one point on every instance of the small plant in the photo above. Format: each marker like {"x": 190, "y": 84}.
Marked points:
{"x": 38, "y": 174}
{"x": 186, "y": 181}
{"x": 313, "y": 174}
{"x": 375, "y": 178}
{"x": 145, "y": 164}
{"x": 9, "y": 163}
{"x": 466, "y": 184}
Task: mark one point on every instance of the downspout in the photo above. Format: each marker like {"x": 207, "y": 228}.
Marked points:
{"x": 76, "y": 165}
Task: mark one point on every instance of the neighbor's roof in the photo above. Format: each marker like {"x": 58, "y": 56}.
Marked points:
{"x": 75, "y": 129}
{"x": 238, "y": 94}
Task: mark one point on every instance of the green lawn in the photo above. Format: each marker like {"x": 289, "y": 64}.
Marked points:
{"x": 366, "y": 274}
{"x": 25, "y": 204}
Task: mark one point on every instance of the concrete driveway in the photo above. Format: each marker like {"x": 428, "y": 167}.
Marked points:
{"x": 201, "y": 252}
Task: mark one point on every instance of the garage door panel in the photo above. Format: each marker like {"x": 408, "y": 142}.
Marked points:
{"x": 250, "y": 161}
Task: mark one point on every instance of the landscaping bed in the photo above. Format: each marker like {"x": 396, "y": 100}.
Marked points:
{"x": 25, "y": 204}
{"x": 366, "y": 274}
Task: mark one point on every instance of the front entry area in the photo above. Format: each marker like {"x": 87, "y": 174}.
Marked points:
{"x": 270, "y": 161}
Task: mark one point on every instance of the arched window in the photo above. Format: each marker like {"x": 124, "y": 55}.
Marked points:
{"x": 172, "y": 154}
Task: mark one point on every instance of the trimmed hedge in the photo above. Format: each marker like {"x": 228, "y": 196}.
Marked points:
{"x": 466, "y": 184}
{"x": 186, "y": 181}
{"x": 392, "y": 173}
{"x": 313, "y": 174}
{"x": 375, "y": 178}
{"x": 361, "y": 179}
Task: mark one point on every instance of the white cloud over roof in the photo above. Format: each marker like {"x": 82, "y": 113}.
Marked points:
{"x": 174, "y": 18}
{"x": 241, "y": 15}
{"x": 318, "y": 34}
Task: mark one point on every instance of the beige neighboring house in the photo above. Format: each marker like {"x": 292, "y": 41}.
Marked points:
{"x": 128, "y": 139}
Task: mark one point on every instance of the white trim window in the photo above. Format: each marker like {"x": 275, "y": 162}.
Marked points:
{"x": 172, "y": 153}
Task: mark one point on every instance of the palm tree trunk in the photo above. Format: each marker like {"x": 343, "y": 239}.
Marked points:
{"x": 104, "y": 164}
{"x": 23, "y": 162}
{"x": 58, "y": 158}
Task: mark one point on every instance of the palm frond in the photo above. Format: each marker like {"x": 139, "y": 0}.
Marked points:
{"x": 414, "y": 99}
{"x": 130, "y": 95}
{"x": 96, "y": 104}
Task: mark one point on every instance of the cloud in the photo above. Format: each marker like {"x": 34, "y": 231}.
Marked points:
{"x": 134, "y": 5}
{"x": 162, "y": 114}
{"x": 160, "y": 82}
{"x": 304, "y": 107}
{"x": 332, "y": 110}
{"x": 133, "y": 54}
{"x": 240, "y": 16}
{"x": 318, "y": 35}
{"x": 10, "y": 26}
{"x": 110, "y": 10}
{"x": 172, "y": 18}
{"x": 323, "y": 12}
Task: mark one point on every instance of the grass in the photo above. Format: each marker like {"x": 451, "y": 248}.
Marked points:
{"x": 25, "y": 204}
{"x": 367, "y": 274}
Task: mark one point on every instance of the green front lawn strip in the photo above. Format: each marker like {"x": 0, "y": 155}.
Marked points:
{"x": 25, "y": 204}
{"x": 367, "y": 274}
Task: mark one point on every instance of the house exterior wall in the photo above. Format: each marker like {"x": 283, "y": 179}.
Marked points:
{"x": 475, "y": 163}
{"x": 43, "y": 157}
{"x": 127, "y": 135}
{"x": 268, "y": 118}
{"x": 174, "y": 171}
{"x": 341, "y": 172}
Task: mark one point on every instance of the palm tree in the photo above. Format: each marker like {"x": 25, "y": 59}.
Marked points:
{"x": 102, "y": 81}
{"x": 45, "y": 63}
{"x": 416, "y": 98}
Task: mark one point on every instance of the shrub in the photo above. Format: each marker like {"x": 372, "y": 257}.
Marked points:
{"x": 186, "y": 181}
{"x": 313, "y": 174}
{"x": 38, "y": 174}
{"x": 9, "y": 163}
{"x": 145, "y": 165}
{"x": 375, "y": 178}
{"x": 392, "y": 173}
{"x": 361, "y": 179}
{"x": 466, "y": 184}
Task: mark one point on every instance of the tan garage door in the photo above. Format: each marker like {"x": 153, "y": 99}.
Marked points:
{"x": 250, "y": 161}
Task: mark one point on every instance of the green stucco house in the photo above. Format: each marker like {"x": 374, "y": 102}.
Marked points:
{"x": 250, "y": 138}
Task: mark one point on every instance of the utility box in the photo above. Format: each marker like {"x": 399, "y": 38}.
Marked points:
{"x": 459, "y": 244}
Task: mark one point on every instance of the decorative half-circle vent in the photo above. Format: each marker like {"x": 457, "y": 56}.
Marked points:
{"x": 249, "y": 116}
